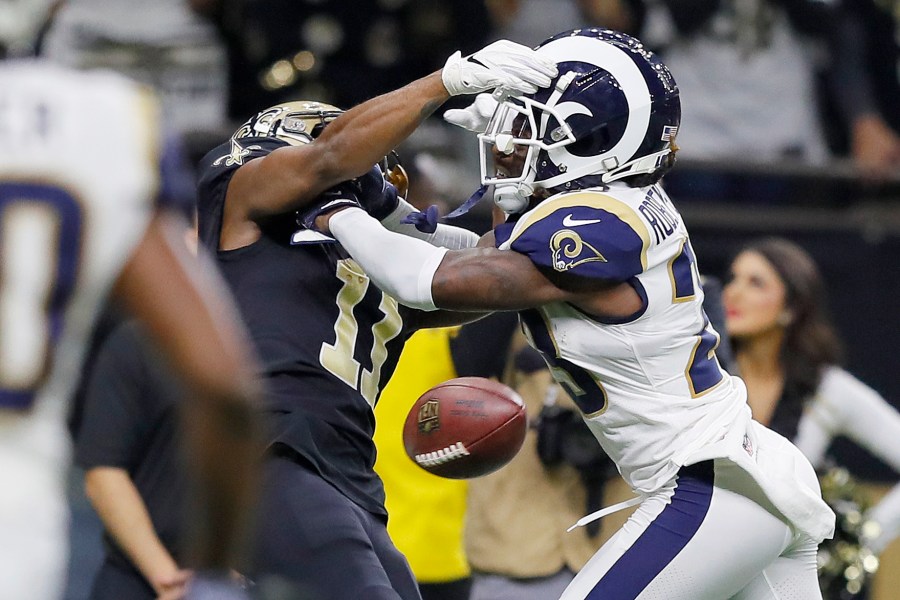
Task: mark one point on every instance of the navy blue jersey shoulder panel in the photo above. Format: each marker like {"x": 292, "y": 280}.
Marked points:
{"x": 589, "y": 234}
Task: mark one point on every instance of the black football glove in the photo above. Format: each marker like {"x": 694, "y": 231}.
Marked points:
{"x": 377, "y": 196}
{"x": 342, "y": 195}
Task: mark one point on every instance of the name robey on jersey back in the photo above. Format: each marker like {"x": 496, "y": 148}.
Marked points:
{"x": 78, "y": 180}
{"x": 643, "y": 377}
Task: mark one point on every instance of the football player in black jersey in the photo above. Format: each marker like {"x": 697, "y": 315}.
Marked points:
{"x": 327, "y": 337}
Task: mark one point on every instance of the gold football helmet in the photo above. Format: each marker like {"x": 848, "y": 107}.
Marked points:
{"x": 296, "y": 123}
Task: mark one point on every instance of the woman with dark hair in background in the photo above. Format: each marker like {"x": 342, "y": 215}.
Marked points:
{"x": 787, "y": 352}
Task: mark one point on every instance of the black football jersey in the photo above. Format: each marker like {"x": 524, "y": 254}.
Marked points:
{"x": 327, "y": 337}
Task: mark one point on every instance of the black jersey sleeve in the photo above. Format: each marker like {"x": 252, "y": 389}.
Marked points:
{"x": 215, "y": 172}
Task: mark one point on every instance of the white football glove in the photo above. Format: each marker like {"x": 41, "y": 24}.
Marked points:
{"x": 503, "y": 64}
{"x": 474, "y": 117}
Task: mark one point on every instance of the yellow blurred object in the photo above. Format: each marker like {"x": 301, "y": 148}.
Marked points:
{"x": 426, "y": 511}
{"x": 397, "y": 176}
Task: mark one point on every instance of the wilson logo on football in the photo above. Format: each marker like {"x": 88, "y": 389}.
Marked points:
{"x": 429, "y": 416}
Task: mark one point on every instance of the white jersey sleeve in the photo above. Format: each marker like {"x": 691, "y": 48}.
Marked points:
{"x": 845, "y": 406}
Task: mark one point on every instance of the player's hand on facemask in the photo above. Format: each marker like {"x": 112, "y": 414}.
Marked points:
{"x": 503, "y": 64}
{"x": 380, "y": 198}
{"x": 343, "y": 195}
{"x": 474, "y": 117}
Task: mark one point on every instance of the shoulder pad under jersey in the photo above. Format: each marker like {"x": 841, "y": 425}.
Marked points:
{"x": 586, "y": 233}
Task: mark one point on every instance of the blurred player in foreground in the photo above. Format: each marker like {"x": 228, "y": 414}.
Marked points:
{"x": 80, "y": 175}
{"x": 598, "y": 263}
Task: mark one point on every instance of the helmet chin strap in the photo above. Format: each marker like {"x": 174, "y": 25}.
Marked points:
{"x": 512, "y": 198}
{"x": 645, "y": 164}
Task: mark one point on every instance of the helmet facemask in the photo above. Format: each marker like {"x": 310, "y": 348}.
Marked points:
{"x": 514, "y": 131}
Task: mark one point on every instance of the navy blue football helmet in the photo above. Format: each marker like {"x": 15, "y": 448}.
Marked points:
{"x": 612, "y": 112}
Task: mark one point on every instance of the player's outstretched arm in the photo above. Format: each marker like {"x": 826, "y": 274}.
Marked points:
{"x": 187, "y": 309}
{"x": 477, "y": 279}
{"x": 290, "y": 177}
{"x": 422, "y": 276}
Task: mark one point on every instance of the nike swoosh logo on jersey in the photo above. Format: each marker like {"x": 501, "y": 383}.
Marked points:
{"x": 569, "y": 221}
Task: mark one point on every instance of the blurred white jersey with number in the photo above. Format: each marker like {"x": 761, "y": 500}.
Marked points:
{"x": 649, "y": 385}
{"x": 79, "y": 175}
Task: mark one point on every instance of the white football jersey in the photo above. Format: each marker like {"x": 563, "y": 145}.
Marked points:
{"x": 650, "y": 386}
{"x": 79, "y": 172}
{"x": 79, "y": 177}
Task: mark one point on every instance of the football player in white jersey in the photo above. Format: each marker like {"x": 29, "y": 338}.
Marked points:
{"x": 79, "y": 179}
{"x": 598, "y": 263}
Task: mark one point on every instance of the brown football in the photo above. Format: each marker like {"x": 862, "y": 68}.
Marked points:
{"x": 465, "y": 427}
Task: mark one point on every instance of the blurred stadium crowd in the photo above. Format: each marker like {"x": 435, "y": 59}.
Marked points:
{"x": 791, "y": 127}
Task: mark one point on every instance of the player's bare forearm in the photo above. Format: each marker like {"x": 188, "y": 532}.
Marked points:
{"x": 491, "y": 279}
{"x": 353, "y": 142}
{"x": 420, "y": 275}
{"x": 487, "y": 240}
{"x": 291, "y": 177}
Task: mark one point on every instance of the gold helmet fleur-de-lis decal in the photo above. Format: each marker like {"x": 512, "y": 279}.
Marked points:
{"x": 237, "y": 154}
{"x": 569, "y": 250}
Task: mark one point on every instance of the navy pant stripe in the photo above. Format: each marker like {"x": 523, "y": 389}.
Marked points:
{"x": 666, "y": 536}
